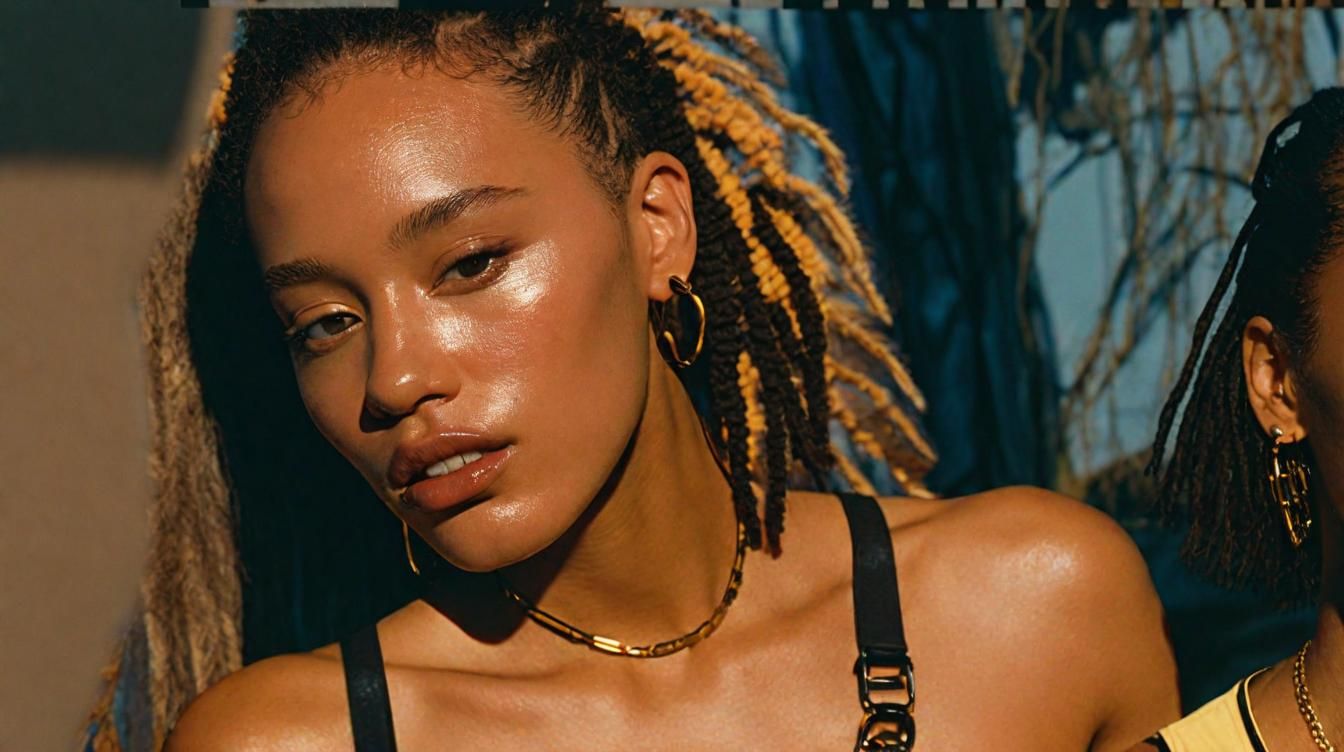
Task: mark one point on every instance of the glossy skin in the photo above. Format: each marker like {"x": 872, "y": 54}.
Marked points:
{"x": 518, "y": 349}
{"x": 1032, "y": 622}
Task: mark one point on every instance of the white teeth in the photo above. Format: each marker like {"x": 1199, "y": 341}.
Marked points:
{"x": 456, "y": 462}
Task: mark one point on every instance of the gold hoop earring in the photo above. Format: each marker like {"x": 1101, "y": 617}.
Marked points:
{"x": 406, "y": 538}
{"x": 1288, "y": 483}
{"x": 667, "y": 342}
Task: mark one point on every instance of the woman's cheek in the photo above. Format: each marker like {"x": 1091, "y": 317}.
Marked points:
{"x": 531, "y": 277}
{"x": 526, "y": 328}
{"x": 333, "y": 405}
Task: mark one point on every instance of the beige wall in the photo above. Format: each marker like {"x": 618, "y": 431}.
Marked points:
{"x": 73, "y": 434}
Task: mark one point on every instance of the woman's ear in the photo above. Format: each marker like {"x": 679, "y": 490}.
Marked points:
{"x": 1269, "y": 384}
{"x": 662, "y": 222}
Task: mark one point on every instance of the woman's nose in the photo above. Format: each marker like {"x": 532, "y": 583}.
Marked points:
{"x": 408, "y": 364}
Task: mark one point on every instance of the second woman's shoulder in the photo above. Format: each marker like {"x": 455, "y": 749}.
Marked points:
{"x": 292, "y": 701}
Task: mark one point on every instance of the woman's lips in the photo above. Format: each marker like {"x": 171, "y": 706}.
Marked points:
{"x": 450, "y": 489}
{"x": 412, "y": 459}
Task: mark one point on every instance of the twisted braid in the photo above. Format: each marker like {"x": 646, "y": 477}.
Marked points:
{"x": 811, "y": 335}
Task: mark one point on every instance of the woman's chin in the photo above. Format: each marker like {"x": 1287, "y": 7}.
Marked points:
{"x": 491, "y": 544}
{"x": 479, "y": 562}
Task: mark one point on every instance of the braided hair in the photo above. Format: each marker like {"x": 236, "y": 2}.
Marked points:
{"x": 1215, "y": 479}
{"x": 253, "y": 554}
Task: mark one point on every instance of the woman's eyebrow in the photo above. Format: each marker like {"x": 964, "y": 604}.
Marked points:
{"x": 293, "y": 273}
{"x": 434, "y": 213}
{"x": 444, "y": 209}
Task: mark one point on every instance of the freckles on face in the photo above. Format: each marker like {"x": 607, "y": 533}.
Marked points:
{"x": 445, "y": 264}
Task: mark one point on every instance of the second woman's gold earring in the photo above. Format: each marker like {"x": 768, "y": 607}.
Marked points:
{"x": 1288, "y": 483}
{"x": 667, "y": 341}
{"x": 406, "y": 538}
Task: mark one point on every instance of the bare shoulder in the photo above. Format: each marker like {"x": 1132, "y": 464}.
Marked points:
{"x": 1023, "y": 541}
{"x": 1022, "y": 570}
{"x": 1030, "y": 542}
{"x": 1011, "y": 549}
{"x": 1060, "y": 586}
{"x": 288, "y": 702}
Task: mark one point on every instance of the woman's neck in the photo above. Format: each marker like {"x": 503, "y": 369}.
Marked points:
{"x": 651, "y": 557}
{"x": 1325, "y": 660}
{"x": 1273, "y": 695}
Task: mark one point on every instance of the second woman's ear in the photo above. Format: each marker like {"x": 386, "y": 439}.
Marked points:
{"x": 662, "y": 222}
{"x": 1270, "y": 386}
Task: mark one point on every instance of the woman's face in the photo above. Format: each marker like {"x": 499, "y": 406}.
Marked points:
{"x": 469, "y": 322}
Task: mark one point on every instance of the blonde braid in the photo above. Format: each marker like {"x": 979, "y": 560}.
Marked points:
{"x": 191, "y": 593}
{"x": 727, "y": 104}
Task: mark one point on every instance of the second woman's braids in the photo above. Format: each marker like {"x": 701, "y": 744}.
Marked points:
{"x": 1211, "y": 453}
{"x": 1202, "y": 325}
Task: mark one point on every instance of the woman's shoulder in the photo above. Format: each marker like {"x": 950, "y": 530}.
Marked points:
{"x": 1021, "y": 567}
{"x": 294, "y": 701}
{"x": 1058, "y": 585}
{"x": 1036, "y": 539}
{"x": 1017, "y": 544}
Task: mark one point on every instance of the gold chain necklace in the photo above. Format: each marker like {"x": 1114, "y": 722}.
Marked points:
{"x": 1304, "y": 701}
{"x": 657, "y": 650}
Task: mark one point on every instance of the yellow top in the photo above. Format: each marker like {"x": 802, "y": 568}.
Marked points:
{"x": 1225, "y": 724}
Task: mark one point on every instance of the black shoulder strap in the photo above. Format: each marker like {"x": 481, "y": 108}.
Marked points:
{"x": 366, "y": 689}
{"x": 877, "y": 598}
{"x": 884, "y": 658}
{"x": 1248, "y": 720}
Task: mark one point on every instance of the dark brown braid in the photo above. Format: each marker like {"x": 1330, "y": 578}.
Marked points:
{"x": 1216, "y": 477}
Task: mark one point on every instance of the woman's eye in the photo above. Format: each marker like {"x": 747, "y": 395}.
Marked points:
{"x": 324, "y": 328}
{"x": 473, "y": 266}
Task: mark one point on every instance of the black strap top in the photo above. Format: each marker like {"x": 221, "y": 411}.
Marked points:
{"x": 366, "y": 689}
{"x": 883, "y": 666}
